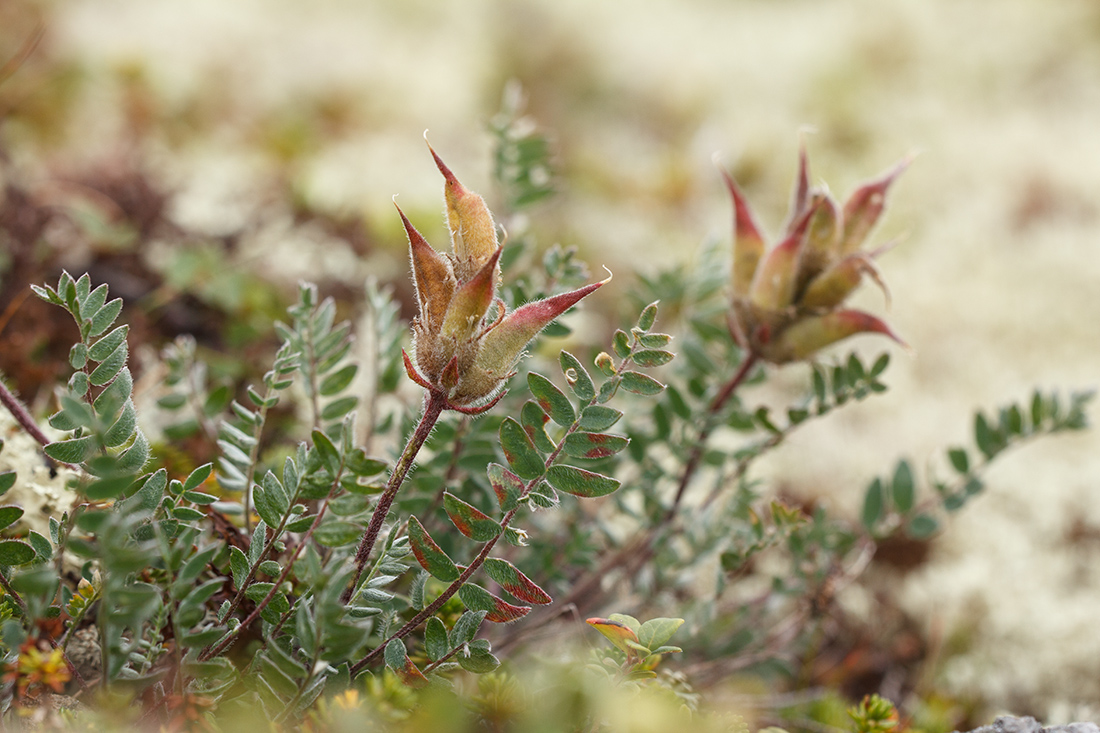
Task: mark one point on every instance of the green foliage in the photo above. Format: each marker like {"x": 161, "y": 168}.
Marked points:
{"x": 290, "y": 572}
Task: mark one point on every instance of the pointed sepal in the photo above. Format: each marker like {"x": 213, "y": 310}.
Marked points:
{"x": 748, "y": 244}
{"x": 809, "y": 335}
{"x": 473, "y": 232}
{"x": 432, "y": 277}
{"x": 864, "y": 207}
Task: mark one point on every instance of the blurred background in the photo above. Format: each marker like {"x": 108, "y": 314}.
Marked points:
{"x": 208, "y": 154}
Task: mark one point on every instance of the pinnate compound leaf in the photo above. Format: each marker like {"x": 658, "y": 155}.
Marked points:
{"x": 497, "y": 610}
{"x": 330, "y": 457}
{"x": 338, "y": 381}
{"x": 337, "y": 533}
{"x": 103, "y": 348}
{"x": 579, "y": 482}
{"x": 578, "y": 378}
{"x": 238, "y": 565}
{"x": 551, "y": 399}
{"x": 398, "y": 660}
{"x": 515, "y": 582}
{"x": 534, "y": 420}
{"x": 115, "y": 395}
{"x": 519, "y": 451}
{"x": 960, "y": 461}
{"x": 507, "y": 486}
{"x": 469, "y": 520}
{"x": 136, "y": 455}
{"x": 642, "y": 384}
{"x": 429, "y": 555}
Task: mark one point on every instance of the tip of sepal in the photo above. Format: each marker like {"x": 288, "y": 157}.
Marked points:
{"x": 414, "y": 375}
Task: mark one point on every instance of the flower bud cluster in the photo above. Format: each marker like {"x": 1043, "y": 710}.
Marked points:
{"x": 787, "y": 300}
{"x": 460, "y": 351}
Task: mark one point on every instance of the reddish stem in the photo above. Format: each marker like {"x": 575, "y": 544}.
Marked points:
{"x": 434, "y": 404}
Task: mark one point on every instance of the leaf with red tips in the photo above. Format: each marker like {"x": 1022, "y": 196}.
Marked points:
{"x": 507, "y": 485}
{"x": 497, "y": 609}
{"x": 397, "y": 659}
{"x": 432, "y": 276}
{"x": 413, "y": 374}
{"x": 615, "y": 631}
{"x": 429, "y": 554}
{"x": 520, "y": 452}
{"x": 515, "y": 582}
{"x": 534, "y": 419}
{"x": 578, "y": 482}
{"x": 469, "y": 520}
{"x": 864, "y": 207}
{"x": 593, "y": 445}
{"x": 748, "y": 244}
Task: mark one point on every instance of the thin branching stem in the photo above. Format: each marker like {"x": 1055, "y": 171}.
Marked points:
{"x": 700, "y": 446}
{"x": 472, "y": 568}
{"x": 231, "y": 637}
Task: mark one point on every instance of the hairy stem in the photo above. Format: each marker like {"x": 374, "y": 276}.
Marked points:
{"x": 434, "y": 403}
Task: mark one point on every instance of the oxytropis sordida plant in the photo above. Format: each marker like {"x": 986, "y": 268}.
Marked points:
{"x": 314, "y": 572}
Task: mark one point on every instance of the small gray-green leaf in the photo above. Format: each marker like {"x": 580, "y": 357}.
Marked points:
{"x": 15, "y": 552}
{"x": 642, "y": 384}
{"x": 903, "y": 488}
{"x": 579, "y": 380}
{"x": 435, "y": 639}
{"x": 519, "y": 451}
{"x": 598, "y": 417}
{"x": 9, "y": 515}
{"x": 551, "y": 399}
{"x": 579, "y": 482}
